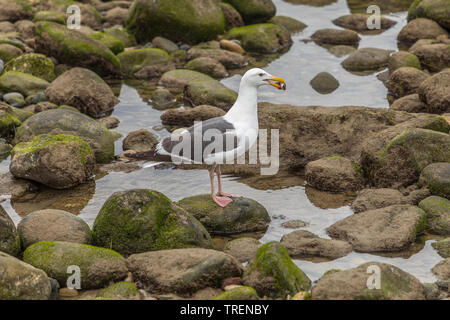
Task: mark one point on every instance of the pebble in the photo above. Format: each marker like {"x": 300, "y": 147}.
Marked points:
{"x": 66, "y": 292}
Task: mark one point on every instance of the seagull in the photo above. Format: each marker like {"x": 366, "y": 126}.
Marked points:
{"x": 222, "y": 139}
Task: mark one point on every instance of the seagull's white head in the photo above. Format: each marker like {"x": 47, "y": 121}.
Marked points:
{"x": 258, "y": 77}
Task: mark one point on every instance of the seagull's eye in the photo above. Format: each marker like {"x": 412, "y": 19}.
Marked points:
{"x": 261, "y": 74}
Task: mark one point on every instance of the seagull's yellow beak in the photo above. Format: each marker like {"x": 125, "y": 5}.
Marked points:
{"x": 276, "y": 82}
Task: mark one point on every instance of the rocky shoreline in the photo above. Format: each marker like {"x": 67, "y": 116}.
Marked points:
{"x": 56, "y": 126}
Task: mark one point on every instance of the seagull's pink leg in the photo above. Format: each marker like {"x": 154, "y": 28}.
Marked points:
{"x": 219, "y": 182}
{"x": 221, "y": 201}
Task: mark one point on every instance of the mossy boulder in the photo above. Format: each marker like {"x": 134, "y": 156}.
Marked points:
{"x": 242, "y": 215}
{"x": 74, "y": 48}
{"x": 437, "y": 10}
{"x": 351, "y": 284}
{"x": 187, "y": 117}
{"x": 140, "y": 140}
{"x": 261, "y": 38}
{"x": 184, "y": 20}
{"x": 203, "y": 88}
{"x": 84, "y": 90}
{"x": 8, "y": 52}
{"x": 367, "y": 59}
{"x": 10, "y": 119}
{"x": 233, "y": 18}
{"x": 5, "y": 150}
{"x": 434, "y": 55}
{"x": 15, "y": 10}
{"x": 392, "y": 228}
{"x": 239, "y": 293}
{"x": 122, "y": 34}
{"x": 438, "y": 211}
{"x": 254, "y": 11}
{"x": 358, "y": 22}
{"x": 142, "y": 220}
{"x": 324, "y": 83}
{"x": 58, "y": 161}
{"x": 434, "y": 91}
{"x": 182, "y": 271}
{"x": 290, "y": 24}
{"x": 135, "y": 60}
{"x": 53, "y": 225}
{"x": 120, "y": 291}
{"x": 417, "y": 29}
{"x": 208, "y": 66}
{"x": 111, "y": 42}
{"x": 273, "y": 273}
{"x": 404, "y": 81}
{"x": 14, "y": 42}
{"x": 243, "y": 249}
{"x": 51, "y": 16}
{"x": 442, "y": 247}
{"x": 35, "y": 64}
{"x": 98, "y": 266}
{"x": 65, "y": 121}
{"x": 403, "y": 59}
{"x": 21, "y": 281}
{"x": 436, "y": 177}
{"x": 400, "y": 162}
{"x": 26, "y": 84}
{"x": 9, "y": 237}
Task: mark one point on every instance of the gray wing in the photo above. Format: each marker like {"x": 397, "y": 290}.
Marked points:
{"x": 210, "y": 130}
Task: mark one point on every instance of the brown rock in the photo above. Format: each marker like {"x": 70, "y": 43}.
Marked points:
{"x": 420, "y": 28}
{"x": 187, "y": 117}
{"x": 139, "y": 141}
{"x": 404, "y": 81}
{"x": 435, "y": 92}
{"x": 409, "y": 103}
{"x": 336, "y": 36}
{"x": 370, "y": 199}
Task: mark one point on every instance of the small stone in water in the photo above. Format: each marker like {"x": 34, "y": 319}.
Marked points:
{"x": 294, "y": 224}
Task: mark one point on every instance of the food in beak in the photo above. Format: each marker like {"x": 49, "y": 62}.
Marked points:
{"x": 276, "y": 82}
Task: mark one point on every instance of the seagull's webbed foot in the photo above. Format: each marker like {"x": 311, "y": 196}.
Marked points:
{"x": 228, "y": 195}
{"x": 221, "y": 201}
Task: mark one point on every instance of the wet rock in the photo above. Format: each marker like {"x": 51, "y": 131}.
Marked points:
{"x": 84, "y": 90}
{"x": 324, "y": 83}
{"x": 233, "y": 18}
{"x": 36, "y": 98}
{"x": 341, "y": 50}
{"x": 182, "y": 271}
{"x": 139, "y": 140}
{"x": 227, "y": 58}
{"x": 262, "y": 38}
{"x": 442, "y": 270}
{"x": 13, "y": 11}
{"x": 26, "y": 84}
{"x": 58, "y": 161}
{"x": 442, "y": 247}
{"x": 74, "y": 48}
{"x": 232, "y": 46}
{"x": 9, "y": 238}
{"x": 242, "y": 215}
{"x": 35, "y": 64}
{"x": 25, "y": 28}
{"x": 273, "y": 273}
{"x": 434, "y": 55}
{"x": 10, "y": 119}
{"x": 302, "y": 244}
{"x": 41, "y": 106}
{"x": 152, "y": 61}
{"x": 21, "y": 281}
{"x": 69, "y": 122}
{"x": 122, "y": 290}
{"x": 98, "y": 266}
{"x": 121, "y": 33}
{"x": 50, "y": 16}
{"x": 14, "y": 99}
{"x": 8, "y": 52}
{"x": 434, "y": 91}
{"x": 358, "y": 22}
{"x": 53, "y": 225}
{"x": 187, "y": 117}
{"x": 438, "y": 214}
{"x": 370, "y": 199}
{"x": 191, "y": 21}
{"x": 404, "y": 81}
{"x": 336, "y": 174}
{"x": 409, "y": 103}
{"x": 116, "y": 16}
{"x": 254, "y": 11}
{"x": 12, "y": 41}
{"x": 5, "y": 150}
{"x": 141, "y": 220}
{"x": 403, "y": 59}
{"x": 436, "y": 10}
{"x": 367, "y": 59}
{"x": 109, "y": 41}
{"x": 290, "y": 24}
{"x": 431, "y": 291}
{"x": 436, "y": 177}
{"x": 164, "y": 44}
{"x": 163, "y": 99}
{"x": 351, "y": 284}
{"x": 419, "y": 29}
{"x": 239, "y": 293}
{"x": 109, "y": 122}
{"x": 16, "y": 188}
{"x": 208, "y": 66}
{"x": 336, "y": 37}
{"x": 387, "y": 229}
{"x": 243, "y": 249}
{"x": 203, "y": 88}
{"x": 294, "y": 224}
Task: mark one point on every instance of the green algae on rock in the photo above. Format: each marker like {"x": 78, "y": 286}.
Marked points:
{"x": 10, "y": 119}
{"x": 9, "y": 237}
{"x": 111, "y": 42}
{"x": 26, "y": 84}
{"x": 438, "y": 211}
{"x": 63, "y": 120}
{"x": 98, "y": 266}
{"x": 437, "y": 10}
{"x": 122, "y": 34}
{"x": 142, "y": 220}
{"x": 51, "y": 16}
{"x": 436, "y": 177}
{"x": 290, "y": 24}
{"x": 184, "y": 20}
{"x": 133, "y": 61}
{"x": 119, "y": 290}
{"x": 242, "y": 215}
{"x": 35, "y": 64}
{"x": 254, "y": 11}
{"x": 239, "y": 293}
{"x": 273, "y": 273}
{"x": 75, "y": 48}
